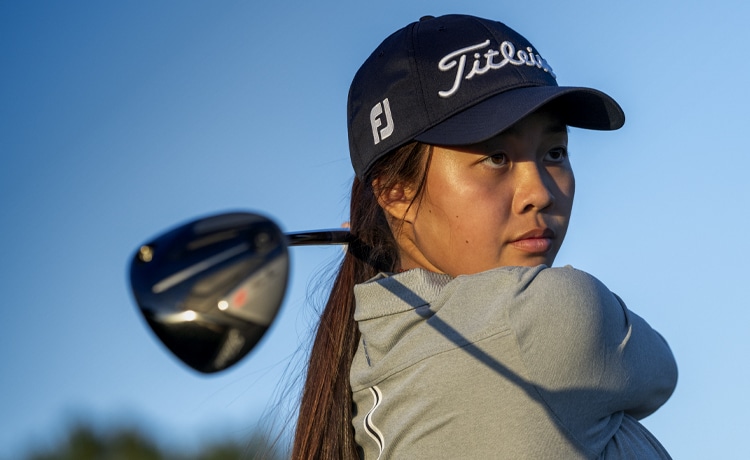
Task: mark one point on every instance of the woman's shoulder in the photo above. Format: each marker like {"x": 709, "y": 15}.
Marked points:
{"x": 560, "y": 298}
{"x": 572, "y": 293}
{"x": 566, "y": 281}
{"x": 571, "y": 281}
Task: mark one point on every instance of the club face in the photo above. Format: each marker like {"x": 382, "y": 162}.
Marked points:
{"x": 209, "y": 289}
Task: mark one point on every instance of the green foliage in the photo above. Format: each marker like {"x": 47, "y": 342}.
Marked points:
{"x": 85, "y": 443}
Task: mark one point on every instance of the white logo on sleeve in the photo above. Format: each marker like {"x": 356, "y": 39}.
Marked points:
{"x": 370, "y": 427}
{"x": 376, "y": 120}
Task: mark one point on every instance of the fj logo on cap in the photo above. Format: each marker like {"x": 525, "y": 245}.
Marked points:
{"x": 376, "y": 120}
{"x": 488, "y": 61}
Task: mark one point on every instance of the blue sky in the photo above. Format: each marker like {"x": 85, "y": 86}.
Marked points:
{"x": 118, "y": 121}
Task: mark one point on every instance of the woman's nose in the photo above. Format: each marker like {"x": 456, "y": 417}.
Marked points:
{"x": 533, "y": 188}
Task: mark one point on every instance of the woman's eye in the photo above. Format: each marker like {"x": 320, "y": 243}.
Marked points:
{"x": 496, "y": 160}
{"x": 557, "y": 155}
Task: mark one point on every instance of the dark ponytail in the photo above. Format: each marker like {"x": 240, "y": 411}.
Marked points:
{"x": 324, "y": 426}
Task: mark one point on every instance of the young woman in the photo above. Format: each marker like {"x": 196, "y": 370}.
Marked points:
{"x": 446, "y": 333}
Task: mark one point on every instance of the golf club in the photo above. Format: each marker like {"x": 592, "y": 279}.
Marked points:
{"x": 210, "y": 288}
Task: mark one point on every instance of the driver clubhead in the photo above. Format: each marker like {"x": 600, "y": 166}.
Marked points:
{"x": 209, "y": 289}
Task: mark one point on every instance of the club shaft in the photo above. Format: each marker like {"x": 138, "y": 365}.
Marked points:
{"x": 318, "y": 237}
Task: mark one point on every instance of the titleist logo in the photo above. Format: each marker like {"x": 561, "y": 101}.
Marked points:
{"x": 490, "y": 60}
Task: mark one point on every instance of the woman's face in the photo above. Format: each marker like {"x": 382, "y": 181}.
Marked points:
{"x": 503, "y": 202}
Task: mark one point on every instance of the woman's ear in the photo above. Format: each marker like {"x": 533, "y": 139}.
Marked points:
{"x": 396, "y": 201}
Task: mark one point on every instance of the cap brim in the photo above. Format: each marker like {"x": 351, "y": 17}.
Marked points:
{"x": 580, "y": 107}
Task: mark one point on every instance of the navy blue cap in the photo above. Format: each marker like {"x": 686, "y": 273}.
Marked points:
{"x": 458, "y": 80}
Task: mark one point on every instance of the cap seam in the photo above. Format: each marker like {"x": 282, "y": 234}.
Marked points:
{"x": 421, "y": 86}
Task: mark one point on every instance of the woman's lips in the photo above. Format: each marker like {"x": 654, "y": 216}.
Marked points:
{"x": 537, "y": 241}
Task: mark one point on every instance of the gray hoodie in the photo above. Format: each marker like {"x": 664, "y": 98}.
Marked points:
{"x": 516, "y": 362}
